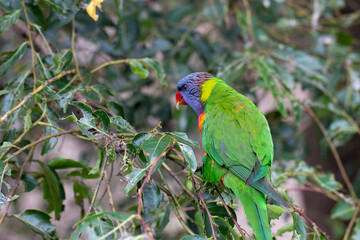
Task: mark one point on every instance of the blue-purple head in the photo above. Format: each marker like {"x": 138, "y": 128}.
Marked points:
{"x": 189, "y": 91}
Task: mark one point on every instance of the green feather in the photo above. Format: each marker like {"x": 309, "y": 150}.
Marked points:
{"x": 254, "y": 205}
{"x": 239, "y": 147}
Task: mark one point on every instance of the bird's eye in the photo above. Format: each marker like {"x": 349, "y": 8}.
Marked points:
{"x": 184, "y": 87}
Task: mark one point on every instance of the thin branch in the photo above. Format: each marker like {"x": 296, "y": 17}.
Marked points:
{"x": 111, "y": 199}
{"x": 327, "y": 137}
{"x": 31, "y": 43}
{"x": 206, "y": 208}
{"x": 174, "y": 207}
{"x": 249, "y": 21}
{"x": 177, "y": 180}
{"x": 230, "y": 214}
{"x": 41, "y": 87}
{"x": 37, "y": 142}
{"x": 332, "y": 147}
{"x": 110, "y": 63}
{"x": 73, "y": 48}
{"x": 175, "y": 199}
{"x": 96, "y": 191}
{"x": 352, "y": 222}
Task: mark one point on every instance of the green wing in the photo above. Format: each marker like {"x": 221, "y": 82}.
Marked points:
{"x": 236, "y": 135}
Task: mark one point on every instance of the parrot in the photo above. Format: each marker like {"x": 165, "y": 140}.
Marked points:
{"x": 237, "y": 144}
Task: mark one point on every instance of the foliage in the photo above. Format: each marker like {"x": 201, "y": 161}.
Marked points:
{"x": 111, "y": 82}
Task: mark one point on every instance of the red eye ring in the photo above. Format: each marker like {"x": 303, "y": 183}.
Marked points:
{"x": 184, "y": 87}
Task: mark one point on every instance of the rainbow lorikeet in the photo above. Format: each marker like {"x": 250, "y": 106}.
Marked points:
{"x": 238, "y": 148}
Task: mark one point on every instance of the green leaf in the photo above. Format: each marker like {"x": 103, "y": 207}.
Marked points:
{"x": 104, "y": 117}
{"x": 65, "y": 99}
{"x": 81, "y": 192}
{"x": 193, "y": 237}
{"x": 8, "y": 19}
{"x": 39, "y": 222}
{"x": 2, "y": 92}
{"x": 140, "y": 138}
{"x": 138, "y": 68}
{"x": 287, "y": 228}
{"x": 328, "y": 182}
{"x": 183, "y": 138}
{"x": 50, "y": 143}
{"x": 164, "y": 218}
{"x": 27, "y": 122}
{"x": 274, "y": 212}
{"x": 44, "y": 72}
{"x": 29, "y": 182}
{"x": 156, "y": 67}
{"x": 189, "y": 156}
{"x": 11, "y": 58}
{"x": 356, "y": 234}
{"x": 344, "y": 38}
{"x": 86, "y": 111}
{"x": 5, "y": 146}
{"x": 87, "y": 122}
{"x": 118, "y": 216}
{"x": 220, "y": 211}
{"x": 152, "y": 199}
{"x": 4, "y": 171}
{"x": 155, "y": 146}
{"x": 63, "y": 163}
{"x": 53, "y": 190}
{"x": 299, "y": 226}
{"x": 122, "y": 124}
{"x": 133, "y": 178}
{"x": 72, "y": 118}
{"x": 343, "y": 211}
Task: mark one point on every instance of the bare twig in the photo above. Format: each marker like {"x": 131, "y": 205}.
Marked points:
{"x": 111, "y": 199}
{"x": 352, "y": 222}
{"x": 41, "y": 87}
{"x": 112, "y": 63}
{"x": 28, "y": 24}
{"x": 96, "y": 191}
{"x": 37, "y": 142}
{"x": 73, "y": 48}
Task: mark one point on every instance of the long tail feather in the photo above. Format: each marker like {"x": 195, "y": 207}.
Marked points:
{"x": 254, "y": 204}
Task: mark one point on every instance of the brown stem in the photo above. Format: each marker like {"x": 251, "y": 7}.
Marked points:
{"x": 111, "y": 199}
{"x": 31, "y": 43}
{"x": 96, "y": 191}
{"x": 352, "y": 222}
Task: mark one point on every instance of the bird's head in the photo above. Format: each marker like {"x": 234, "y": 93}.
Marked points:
{"x": 189, "y": 91}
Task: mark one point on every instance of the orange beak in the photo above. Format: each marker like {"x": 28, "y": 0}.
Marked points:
{"x": 179, "y": 100}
